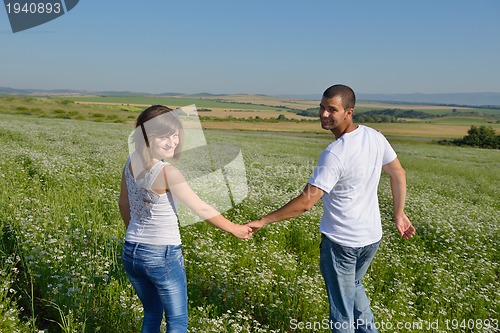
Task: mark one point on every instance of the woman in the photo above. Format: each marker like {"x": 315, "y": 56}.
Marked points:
{"x": 152, "y": 253}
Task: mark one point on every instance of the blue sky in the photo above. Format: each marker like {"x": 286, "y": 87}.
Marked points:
{"x": 266, "y": 47}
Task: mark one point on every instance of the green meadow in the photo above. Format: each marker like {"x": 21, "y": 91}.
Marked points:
{"x": 60, "y": 266}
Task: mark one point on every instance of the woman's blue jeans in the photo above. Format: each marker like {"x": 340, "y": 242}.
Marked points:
{"x": 343, "y": 268}
{"x": 159, "y": 279}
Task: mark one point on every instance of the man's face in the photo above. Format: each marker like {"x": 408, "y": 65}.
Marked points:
{"x": 332, "y": 113}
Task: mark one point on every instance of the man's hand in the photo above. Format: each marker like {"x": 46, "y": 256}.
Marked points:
{"x": 404, "y": 226}
{"x": 256, "y": 225}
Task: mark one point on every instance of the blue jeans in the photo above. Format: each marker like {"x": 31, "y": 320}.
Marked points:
{"x": 159, "y": 279}
{"x": 343, "y": 268}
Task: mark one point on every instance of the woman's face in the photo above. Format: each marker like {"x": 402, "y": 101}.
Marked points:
{"x": 163, "y": 147}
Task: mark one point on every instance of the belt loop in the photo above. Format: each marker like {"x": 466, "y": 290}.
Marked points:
{"x": 136, "y": 245}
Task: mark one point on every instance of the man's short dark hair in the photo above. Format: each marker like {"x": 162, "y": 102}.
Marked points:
{"x": 346, "y": 94}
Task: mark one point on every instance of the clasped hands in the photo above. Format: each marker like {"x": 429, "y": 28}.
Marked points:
{"x": 245, "y": 231}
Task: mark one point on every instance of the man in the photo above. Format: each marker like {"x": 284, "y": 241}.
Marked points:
{"x": 346, "y": 178}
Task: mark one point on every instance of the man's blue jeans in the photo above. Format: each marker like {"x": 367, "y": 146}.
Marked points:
{"x": 343, "y": 268}
{"x": 159, "y": 279}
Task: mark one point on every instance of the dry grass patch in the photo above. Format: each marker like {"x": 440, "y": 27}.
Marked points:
{"x": 246, "y": 113}
{"x": 409, "y": 130}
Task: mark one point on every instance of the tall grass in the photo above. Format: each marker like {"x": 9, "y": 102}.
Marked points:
{"x": 60, "y": 267}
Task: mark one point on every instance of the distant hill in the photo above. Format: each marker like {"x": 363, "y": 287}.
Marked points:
{"x": 462, "y": 99}
{"x": 485, "y": 98}
{"x": 471, "y": 99}
{"x": 13, "y": 91}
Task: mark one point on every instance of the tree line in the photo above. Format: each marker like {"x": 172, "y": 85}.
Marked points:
{"x": 375, "y": 116}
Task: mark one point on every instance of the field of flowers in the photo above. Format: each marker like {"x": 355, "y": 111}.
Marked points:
{"x": 61, "y": 238}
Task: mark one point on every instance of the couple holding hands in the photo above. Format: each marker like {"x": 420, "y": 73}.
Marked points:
{"x": 346, "y": 179}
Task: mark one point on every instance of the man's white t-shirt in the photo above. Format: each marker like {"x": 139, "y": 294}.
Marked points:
{"x": 348, "y": 172}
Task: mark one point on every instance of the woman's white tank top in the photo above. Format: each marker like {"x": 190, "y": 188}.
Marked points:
{"x": 153, "y": 216}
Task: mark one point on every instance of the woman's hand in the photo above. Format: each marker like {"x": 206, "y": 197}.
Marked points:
{"x": 241, "y": 231}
